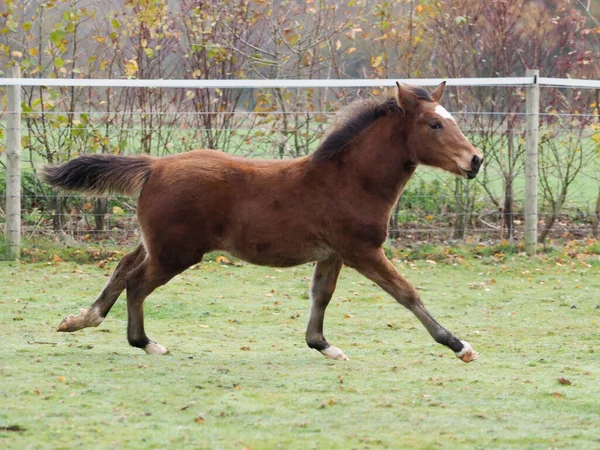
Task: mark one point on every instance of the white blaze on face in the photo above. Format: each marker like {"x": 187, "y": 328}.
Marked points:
{"x": 439, "y": 109}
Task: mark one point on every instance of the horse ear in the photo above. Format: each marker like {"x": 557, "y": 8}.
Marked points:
{"x": 404, "y": 97}
{"x": 438, "y": 92}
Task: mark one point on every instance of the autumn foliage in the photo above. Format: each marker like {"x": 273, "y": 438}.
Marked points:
{"x": 257, "y": 39}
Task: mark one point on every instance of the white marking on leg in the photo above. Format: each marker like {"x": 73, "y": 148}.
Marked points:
{"x": 443, "y": 112}
{"x": 467, "y": 354}
{"x": 154, "y": 348}
{"x": 332, "y": 352}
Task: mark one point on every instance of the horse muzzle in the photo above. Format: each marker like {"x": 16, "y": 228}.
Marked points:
{"x": 476, "y": 164}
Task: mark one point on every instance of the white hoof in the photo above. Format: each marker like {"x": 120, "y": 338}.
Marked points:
{"x": 153, "y": 348}
{"x": 467, "y": 354}
{"x": 332, "y": 352}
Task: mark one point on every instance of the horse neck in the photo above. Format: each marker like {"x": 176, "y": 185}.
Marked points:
{"x": 382, "y": 160}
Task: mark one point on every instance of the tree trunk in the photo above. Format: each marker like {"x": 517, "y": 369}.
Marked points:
{"x": 508, "y": 194}
{"x": 99, "y": 212}
{"x": 548, "y": 224}
{"x": 58, "y": 218}
{"x": 596, "y": 218}
{"x": 508, "y": 209}
{"x": 460, "y": 211}
{"x": 394, "y": 231}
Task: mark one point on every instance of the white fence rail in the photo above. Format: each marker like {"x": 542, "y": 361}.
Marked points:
{"x": 286, "y": 84}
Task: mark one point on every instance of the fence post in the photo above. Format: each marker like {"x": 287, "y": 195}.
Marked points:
{"x": 13, "y": 168}
{"x": 532, "y": 100}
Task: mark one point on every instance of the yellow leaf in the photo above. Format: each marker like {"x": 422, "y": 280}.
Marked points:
{"x": 62, "y": 379}
{"x": 117, "y": 210}
{"x": 338, "y": 44}
{"x": 131, "y": 68}
{"x": 57, "y": 258}
{"x": 376, "y": 62}
{"x": 419, "y": 9}
{"x": 199, "y": 419}
{"x": 223, "y": 260}
{"x": 350, "y": 51}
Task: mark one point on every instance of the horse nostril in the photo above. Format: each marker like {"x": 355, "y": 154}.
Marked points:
{"x": 476, "y": 162}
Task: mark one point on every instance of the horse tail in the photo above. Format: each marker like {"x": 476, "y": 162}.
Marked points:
{"x": 95, "y": 174}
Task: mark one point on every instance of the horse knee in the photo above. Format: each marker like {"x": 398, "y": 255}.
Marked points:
{"x": 410, "y": 298}
{"x": 322, "y": 295}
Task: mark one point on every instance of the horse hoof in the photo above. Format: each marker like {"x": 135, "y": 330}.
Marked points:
{"x": 467, "y": 354}
{"x": 64, "y": 325}
{"x": 332, "y": 352}
{"x": 154, "y": 348}
{"x": 87, "y": 318}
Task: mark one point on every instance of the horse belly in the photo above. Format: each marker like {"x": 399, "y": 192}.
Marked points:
{"x": 275, "y": 246}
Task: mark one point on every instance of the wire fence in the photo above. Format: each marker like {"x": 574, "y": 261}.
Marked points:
{"x": 287, "y": 120}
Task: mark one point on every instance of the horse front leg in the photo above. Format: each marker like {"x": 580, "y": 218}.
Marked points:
{"x": 322, "y": 287}
{"x": 376, "y": 267}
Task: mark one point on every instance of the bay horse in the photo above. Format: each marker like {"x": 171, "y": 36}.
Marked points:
{"x": 331, "y": 207}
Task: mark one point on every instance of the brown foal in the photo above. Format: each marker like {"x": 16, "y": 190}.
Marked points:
{"x": 331, "y": 207}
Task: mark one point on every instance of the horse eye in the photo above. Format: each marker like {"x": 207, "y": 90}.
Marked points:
{"x": 436, "y": 125}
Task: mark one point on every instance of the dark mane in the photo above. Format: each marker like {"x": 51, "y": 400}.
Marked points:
{"x": 352, "y": 121}
{"x": 421, "y": 93}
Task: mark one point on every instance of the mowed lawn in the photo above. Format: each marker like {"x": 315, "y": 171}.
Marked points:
{"x": 239, "y": 374}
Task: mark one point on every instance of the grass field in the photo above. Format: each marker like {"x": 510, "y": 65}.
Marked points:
{"x": 240, "y": 376}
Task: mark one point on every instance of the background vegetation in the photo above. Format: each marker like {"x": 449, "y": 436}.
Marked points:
{"x": 309, "y": 39}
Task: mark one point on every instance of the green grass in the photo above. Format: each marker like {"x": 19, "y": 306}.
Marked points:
{"x": 238, "y": 360}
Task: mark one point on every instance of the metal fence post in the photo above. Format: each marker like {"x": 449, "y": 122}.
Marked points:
{"x": 13, "y": 168}
{"x": 531, "y": 161}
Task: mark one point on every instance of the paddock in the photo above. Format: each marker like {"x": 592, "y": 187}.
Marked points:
{"x": 241, "y": 376}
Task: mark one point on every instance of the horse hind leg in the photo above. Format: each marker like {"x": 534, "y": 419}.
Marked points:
{"x": 140, "y": 283}
{"x": 322, "y": 287}
{"x": 96, "y": 313}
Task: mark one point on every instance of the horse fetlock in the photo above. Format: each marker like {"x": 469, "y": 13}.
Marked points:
{"x": 317, "y": 343}
{"x": 332, "y": 352}
{"x": 467, "y": 354}
{"x": 88, "y": 317}
{"x": 444, "y": 337}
